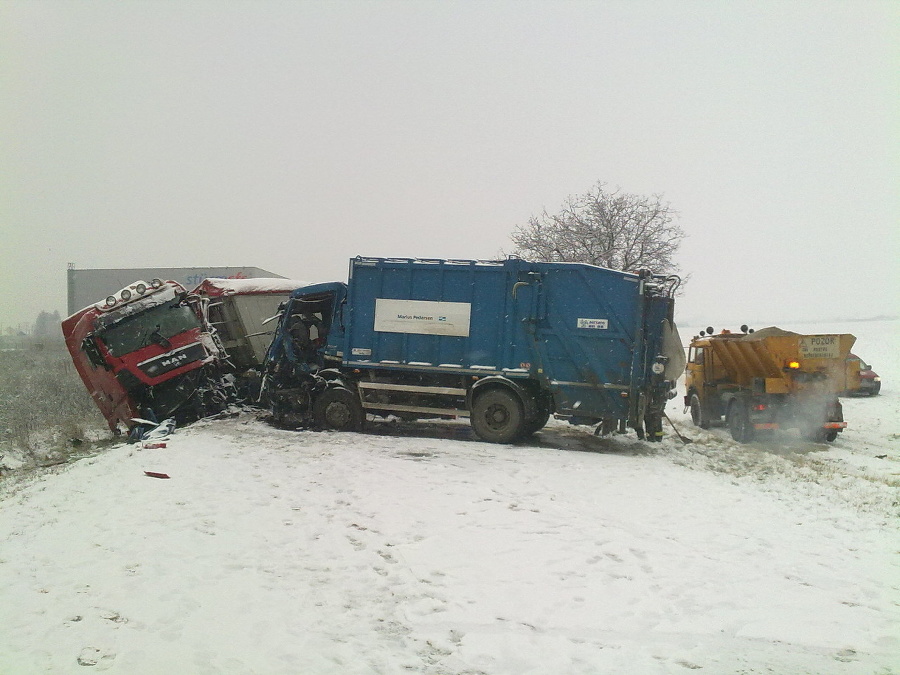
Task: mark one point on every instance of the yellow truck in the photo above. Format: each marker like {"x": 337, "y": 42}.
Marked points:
{"x": 759, "y": 381}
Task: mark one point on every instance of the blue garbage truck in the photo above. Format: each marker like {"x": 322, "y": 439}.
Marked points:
{"x": 505, "y": 343}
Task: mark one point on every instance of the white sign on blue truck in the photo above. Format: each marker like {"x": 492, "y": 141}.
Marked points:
{"x": 505, "y": 343}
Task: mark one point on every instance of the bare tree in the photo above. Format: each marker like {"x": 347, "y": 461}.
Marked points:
{"x": 47, "y": 324}
{"x": 609, "y": 228}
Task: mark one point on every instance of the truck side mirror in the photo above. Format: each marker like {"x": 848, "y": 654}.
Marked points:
{"x": 180, "y": 298}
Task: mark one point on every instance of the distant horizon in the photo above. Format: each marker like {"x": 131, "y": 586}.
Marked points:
{"x": 295, "y": 135}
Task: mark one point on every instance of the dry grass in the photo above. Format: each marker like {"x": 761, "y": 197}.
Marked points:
{"x": 46, "y": 414}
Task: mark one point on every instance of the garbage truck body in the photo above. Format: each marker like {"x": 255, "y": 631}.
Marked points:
{"x": 504, "y": 343}
{"x": 769, "y": 379}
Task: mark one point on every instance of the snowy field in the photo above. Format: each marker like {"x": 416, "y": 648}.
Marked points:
{"x": 418, "y": 549}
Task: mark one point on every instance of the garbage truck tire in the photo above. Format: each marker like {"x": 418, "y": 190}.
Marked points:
{"x": 497, "y": 416}
{"x": 339, "y": 409}
{"x": 539, "y": 420}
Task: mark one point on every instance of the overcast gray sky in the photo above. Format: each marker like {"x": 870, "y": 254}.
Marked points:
{"x": 293, "y": 136}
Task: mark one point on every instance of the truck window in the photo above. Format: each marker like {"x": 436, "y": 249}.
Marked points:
{"x": 318, "y": 306}
{"x": 135, "y": 331}
{"x": 697, "y": 355}
{"x": 218, "y": 319}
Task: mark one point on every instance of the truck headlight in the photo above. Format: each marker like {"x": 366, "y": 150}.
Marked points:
{"x": 658, "y": 368}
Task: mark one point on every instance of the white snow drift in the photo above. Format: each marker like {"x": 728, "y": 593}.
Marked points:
{"x": 418, "y": 549}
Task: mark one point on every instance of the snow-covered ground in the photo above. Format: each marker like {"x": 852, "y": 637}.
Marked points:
{"x": 417, "y": 549}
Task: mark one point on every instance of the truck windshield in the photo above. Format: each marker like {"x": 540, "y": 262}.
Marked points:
{"x": 134, "y": 332}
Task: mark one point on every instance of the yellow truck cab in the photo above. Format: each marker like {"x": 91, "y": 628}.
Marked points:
{"x": 768, "y": 379}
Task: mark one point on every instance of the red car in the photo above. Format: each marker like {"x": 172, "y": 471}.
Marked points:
{"x": 869, "y": 381}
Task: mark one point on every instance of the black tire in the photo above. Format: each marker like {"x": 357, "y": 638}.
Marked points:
{"x": 814, "y": 434}
{"x": 339, "y": 409}
{"x": 538, "y": 421}
{"x": 697, "y": 413}
{"x": 739, "y": 422}
{"x": 497, "y": 416}
{"x": 817, "y": 434}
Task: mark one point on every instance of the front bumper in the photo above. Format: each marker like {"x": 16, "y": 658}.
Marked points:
{"x": 870, "y": 387}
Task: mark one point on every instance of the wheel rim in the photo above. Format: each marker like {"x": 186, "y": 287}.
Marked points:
{"x": 337, "y": 415}
{"x": 496, "y": 416}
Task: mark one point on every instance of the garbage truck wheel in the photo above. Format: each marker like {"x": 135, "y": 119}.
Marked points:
{"x": 497, "y": 416}
{"x": 339, "y": 409}
{"x": 739, "y": 422}
{"x": 539, "y": 420}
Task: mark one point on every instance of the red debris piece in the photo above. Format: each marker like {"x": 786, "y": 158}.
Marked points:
{"x": 152, "y": 446}
{"x": 154, "y": 474}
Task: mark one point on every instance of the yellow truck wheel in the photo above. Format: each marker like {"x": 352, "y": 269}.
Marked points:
{"x": 739, "y": 422}
{"x": 697, "y": 416}
{"x": 816, "y": 434}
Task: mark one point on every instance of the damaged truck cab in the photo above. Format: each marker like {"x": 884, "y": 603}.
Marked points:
{"x": 504, "y": 343}
{"x": 147, "y": 347}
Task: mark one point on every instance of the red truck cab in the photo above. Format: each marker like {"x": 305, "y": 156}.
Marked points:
{"x": 142, "y": 348}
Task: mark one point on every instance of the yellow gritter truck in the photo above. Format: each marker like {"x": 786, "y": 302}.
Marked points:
{"x": 766, "y": 380}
